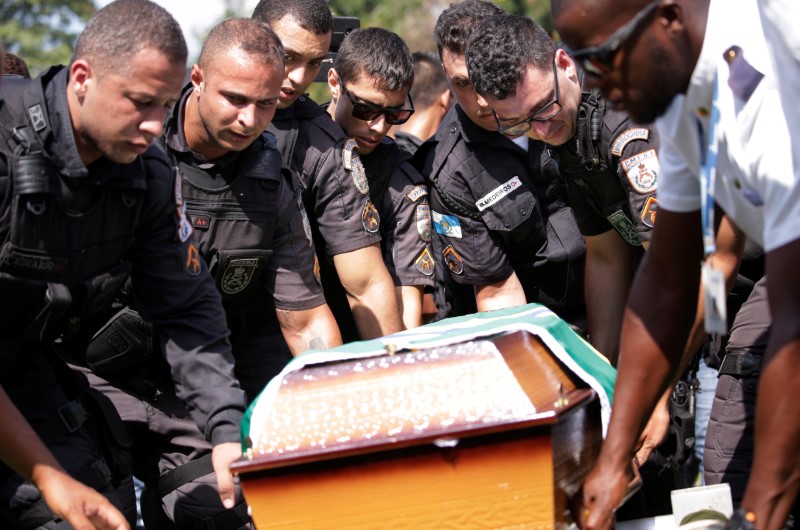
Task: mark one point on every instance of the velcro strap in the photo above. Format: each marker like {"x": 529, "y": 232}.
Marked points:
{"x": 741, "y": 365}
{"x": 236, "y": 517}
{"x": 175, "y": 478}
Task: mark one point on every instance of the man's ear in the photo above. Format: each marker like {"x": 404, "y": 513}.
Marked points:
{"x": 197, "y": 79}
{"x": 81, "y": 77}
{"x": 446, "y": 100}
{"x": 333, "y": 84}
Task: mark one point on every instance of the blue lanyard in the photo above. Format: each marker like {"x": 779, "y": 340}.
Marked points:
{"x": 708, "y": 172}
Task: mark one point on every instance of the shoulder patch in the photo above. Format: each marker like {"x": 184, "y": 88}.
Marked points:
{"x": 306, "y": 223}
{"x": 649, "y": 212}
{"x": 238, "y": 274}
{"x": 424, "y": 262}
{"x": 453, "y": 260}
{"x": 642, "y": 170}
{"x": 498, "y": 193}
{"x": 447, "y": 225}
{"x": 370, "y": 217}
{"x": 625, "y": 228}
{"x": 350, "y": 148}
{"x": 626, "y": 137}
{"x": 193, "y": 266}
{"x": 416, "y": 193}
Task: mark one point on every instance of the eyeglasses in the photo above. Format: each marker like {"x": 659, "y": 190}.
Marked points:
{"x": 545, "y": 113}
{"x": 599, "y": 60}
{"x": 369, "y": 111}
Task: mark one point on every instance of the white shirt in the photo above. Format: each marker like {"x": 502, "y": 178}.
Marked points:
{"x": 755, "y": 182}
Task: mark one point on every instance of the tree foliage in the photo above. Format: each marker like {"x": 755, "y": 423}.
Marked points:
{"x": 43, "y": 32}
{"x": 414, "y": 20}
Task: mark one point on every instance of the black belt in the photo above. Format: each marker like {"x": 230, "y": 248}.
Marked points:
{"x": 741, "y": 365}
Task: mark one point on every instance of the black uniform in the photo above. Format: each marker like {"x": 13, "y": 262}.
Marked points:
{"x": 342, "y": 217}
{"x": 611, "y": 168}
{"x": 69, "y": 240}
{"x": 498, "y": 209}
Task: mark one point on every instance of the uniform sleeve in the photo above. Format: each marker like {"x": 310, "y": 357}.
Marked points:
{"x": 590, "y": 222}
{"x": 174, "y": 291}
{"x": 407, "y": 238}
{"x": 289, "y": 275}
{"x": 472, "y": 254}
{"x": 634, "y": 148}
{"x": 338, "y": 206}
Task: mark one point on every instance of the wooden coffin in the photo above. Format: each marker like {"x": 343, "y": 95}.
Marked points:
{"x": 490, "y": 433}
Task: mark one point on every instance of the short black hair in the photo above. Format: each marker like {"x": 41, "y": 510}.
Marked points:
{"x": 500, "y": 51}
{"x": 429, "y": 79}
{"x": 15, "y": 65}
{"x": 251, "y": 36}
{"x": 122, "y": 29}
{"x": 377, "y": 54}
{"x": 312, "y": 15}
{"x": 456, "y": 23}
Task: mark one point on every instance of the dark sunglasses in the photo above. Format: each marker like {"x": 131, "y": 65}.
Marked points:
{"x": 369, "y": 111}
{"x": 544, "y": 113}
{"x": 599, "y": 60}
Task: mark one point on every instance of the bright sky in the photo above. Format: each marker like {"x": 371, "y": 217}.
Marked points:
{"x": 196, "y": 16}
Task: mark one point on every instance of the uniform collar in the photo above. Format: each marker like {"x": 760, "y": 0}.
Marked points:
{"x": 474, "y": 134}
{"x": 63, "y": 151}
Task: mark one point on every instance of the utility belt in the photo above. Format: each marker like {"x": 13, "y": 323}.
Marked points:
{"x": 741, "y": 365}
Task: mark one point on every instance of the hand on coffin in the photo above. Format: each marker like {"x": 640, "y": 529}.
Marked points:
{"x": 606, "y": 488}
{"x": 222, "y": 456}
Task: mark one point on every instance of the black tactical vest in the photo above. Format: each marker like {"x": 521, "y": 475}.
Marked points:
{"x": 59, "y": 262}
{"x": 234, "y": 224}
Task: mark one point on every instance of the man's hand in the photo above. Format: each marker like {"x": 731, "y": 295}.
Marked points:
{"x": 655, "y": 430}
{"x": 78, "y": 504}
{"x": 222, "y": 456}
{"x": 602, "y": 494}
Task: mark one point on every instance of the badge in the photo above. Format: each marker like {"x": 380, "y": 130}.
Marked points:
{"x": 638, "y": 133}
{"x": 453, "y": 260}
{"x": 316, "y": 269}
{"x": 498, "y": 193}
{"x": 306, "y": 222}
{"x": 370, "y": 218}
{"x": 184, "y": 226}
{"x": 625, "y": 228}
{"x": 649, "y": 212}
{"x": 193, "y": 266}
{"x": 716, "y": 310}
{"x": 178, "y": 188}
{"x": 359, "y": 175}
{"x": 642, "y": 170}
{"x": 447, "y": 225}
{"x": 237, "y": 275}
{"x": 36, "y": 115}
{"x": 424, "y": 262}
{"x": 424, "y": 221}
{"x": 347, "y": 153}
{"x": 201, "y": 222}
{"x": 416, "y": 193}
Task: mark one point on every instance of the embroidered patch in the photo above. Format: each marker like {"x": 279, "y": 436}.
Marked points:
{"x": 453, "y": 260}
{"x": 416, "y": 193}
{"x": 201, "y": 222}
{"x": 193, "y": 266}
{"x": 424, "y": 262}
{"x": 184, "y": 226}
{"x": 238, "y": 274}
{"x": 350, "y": 148}
{"x": 637, "y": 133}
{"x": 370, "y": 218}
{"x": 649, "y": 212}
{"x": 625, "y": 227}
{"x": 36, "y": 115}
{"x": 642, "y": 170}
{"x": 447, "y": 225}
{"x": 178, "y": 189}
{"x": 498, "y": 193}
{"x": 306, "y": 222}
{"x": 424, "y": 221}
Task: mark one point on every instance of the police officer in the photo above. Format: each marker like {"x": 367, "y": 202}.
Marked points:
{"x": 86, "y": 201}
{"x": 312, "y": 146}
{"x": 367, "y": 99}
{"x": 499, "y": 209}
{"x": 251, "y": 231}
{"x": 432, "y": 99}
{"x": 610, "y": 164}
